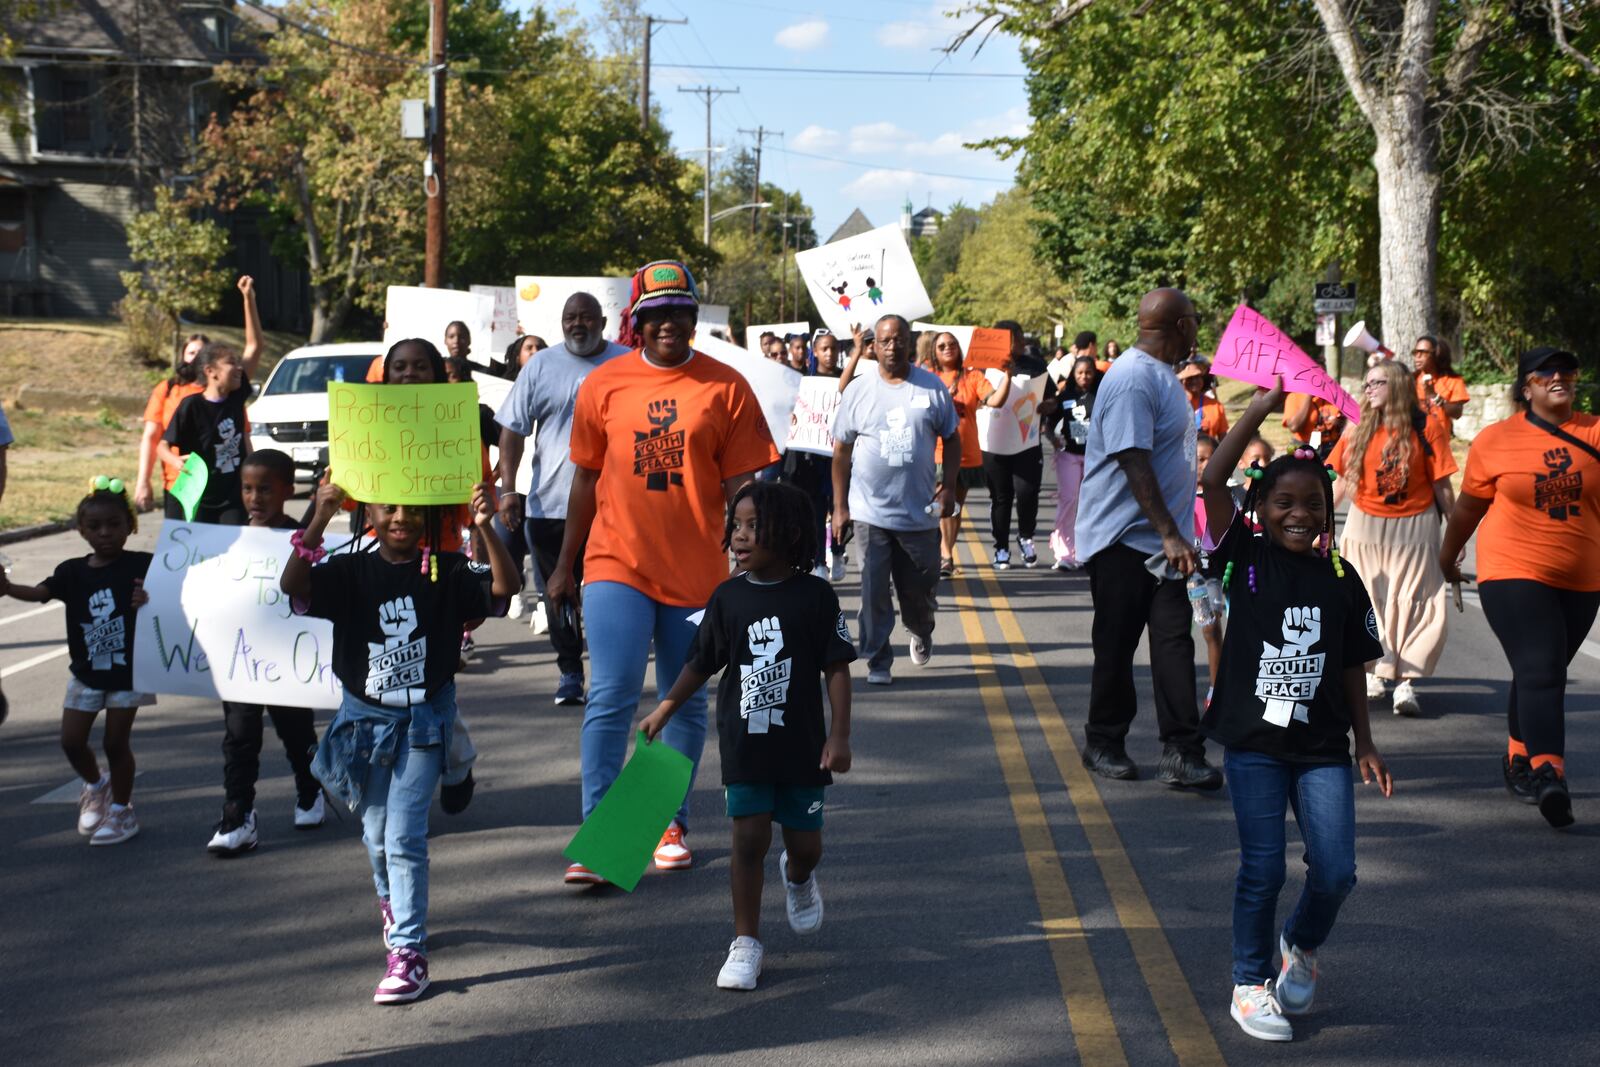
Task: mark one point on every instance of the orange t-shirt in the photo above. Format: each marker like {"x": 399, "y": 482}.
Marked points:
{"x": 1387, "y": 491}
{"x": 664, "y": 439}
{"x": 1449, "y": 388}
{"x": 159, "y": 409}
{"x": 1211, "y": 419}
{"x": 1325, "y": 418}
{"x": 1543, "y": 523}
{"x": 968, "y": 388}
{"x": 375, "y": 371}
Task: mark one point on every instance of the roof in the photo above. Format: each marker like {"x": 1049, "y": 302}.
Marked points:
{"x": 856, "y": 224}
{"x": 928, "y": 213}
{"x": 159, "y": 29}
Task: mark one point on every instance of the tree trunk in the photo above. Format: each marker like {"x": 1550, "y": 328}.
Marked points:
{"x": 1408, "y": 242}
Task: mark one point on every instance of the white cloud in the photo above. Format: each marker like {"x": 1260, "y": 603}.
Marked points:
{"x": 803, "y": 36}
{"x": 816, "y": 138}
{"x": 910, "y": 34}
{"x": 899, "y": 184}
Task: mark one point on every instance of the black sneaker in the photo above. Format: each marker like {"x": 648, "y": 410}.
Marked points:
{"x": 1519, "y": 778}
{"x": 1110, "y": 763}
{"x": 1550, "y": 790}
{"x": 455, "y": 798}
{"x": 1188, "y": 769}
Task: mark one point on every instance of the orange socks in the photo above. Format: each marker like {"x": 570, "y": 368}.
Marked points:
{"x": 1556, "y": 761}
{"x": 1515, "y": 748}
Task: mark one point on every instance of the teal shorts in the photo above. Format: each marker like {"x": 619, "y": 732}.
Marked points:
{"x": 799, "y": 807}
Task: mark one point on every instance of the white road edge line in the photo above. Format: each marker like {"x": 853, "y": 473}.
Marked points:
{"x": 43, "y": 657}
{"x": 54, "y": 605}
{"x": 1588, "y": 648}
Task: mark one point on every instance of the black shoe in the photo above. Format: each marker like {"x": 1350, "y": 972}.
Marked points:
{"x": 1555, "y": 803}
{"x": 1188, "y": 769}
{"x": 1110, "y": 763}
{"x": 1519, "y": 778}
{"x": 455, "y": 798}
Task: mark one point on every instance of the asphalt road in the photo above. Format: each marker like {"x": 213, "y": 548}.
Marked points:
{"x": 987, "y": 902}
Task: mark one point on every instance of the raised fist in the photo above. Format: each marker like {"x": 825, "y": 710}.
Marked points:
{"x": 398, "y": 618}
{"x": 101, "y": 605}
{"x": 765, "y": 638}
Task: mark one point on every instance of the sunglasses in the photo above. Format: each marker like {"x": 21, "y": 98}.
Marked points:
{"x": 1554, "y": 372}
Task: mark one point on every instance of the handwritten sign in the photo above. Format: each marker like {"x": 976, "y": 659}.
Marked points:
{"x": 862, "y": 278}
{"x": 404, "y": 444}
{"x": 810, "y": 428}
{"x": 1254, "y": 350}
{"x": 541, "y": 298}
{"x": 218, "y": 625}
{"x": 774, "y": 384}
{"x": 982, "y": 347}
{"x": 412, "y": 311}
{"x": 502, "y": 327}
{"x": 1013, "y": 426}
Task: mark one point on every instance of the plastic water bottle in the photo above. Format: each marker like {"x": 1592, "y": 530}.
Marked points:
{"x": 338, "y": 372}
{"x": 1200, "y": 600}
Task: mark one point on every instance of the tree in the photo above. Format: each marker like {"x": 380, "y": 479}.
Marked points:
{"x": 936, "y": 257}
{"x": 178, "y": 258}
{"x": 999, "y": 275}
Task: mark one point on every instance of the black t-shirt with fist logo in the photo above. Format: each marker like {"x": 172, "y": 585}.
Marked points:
{"x": 1280, "y": 682}
{"x": 99, "y": 603}
{"x": 772, "y": 641}
{"x": 396, "y": 632}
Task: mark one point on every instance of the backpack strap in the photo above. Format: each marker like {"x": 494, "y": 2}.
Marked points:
{"x": 1555, "y": 431}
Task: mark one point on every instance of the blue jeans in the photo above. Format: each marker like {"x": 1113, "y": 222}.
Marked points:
{"x": 622, "y": 623}
{"x": 1323, "y": 797}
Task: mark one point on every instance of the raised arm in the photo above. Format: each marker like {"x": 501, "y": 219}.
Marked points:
{"x": 858, "y": 347}
{"x": 505, "y": 579}
{"x": 296, "y": 578}
{"x": 253, "y": 344}
{"x": 1002, "y": 391}
{"x": 1214, "y": 479}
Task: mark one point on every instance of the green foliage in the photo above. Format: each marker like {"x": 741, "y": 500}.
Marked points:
{"x": 177, "y": 257}
{"x": 938, "y": 256}
{"x": 756, "y": 270}
{"x": 1000, "y": 275}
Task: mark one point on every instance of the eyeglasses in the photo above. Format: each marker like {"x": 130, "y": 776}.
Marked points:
{"x": 1554, "y": 372}
{"x": 1375, "y": 383}
{"x": 1422, "y": 351}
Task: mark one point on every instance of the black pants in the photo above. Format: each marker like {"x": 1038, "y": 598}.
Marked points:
{"x": 813, "y": 476}
{"x": 566, "y": 635}
{"x": 241, "y": 751}
{"x": 1014, "y": 480}
{"x": 1540, "y": 628}
{"x": 1127, "y": 600}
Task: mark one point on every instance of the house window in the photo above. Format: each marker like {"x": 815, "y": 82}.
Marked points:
{"x": 77, "y": 119}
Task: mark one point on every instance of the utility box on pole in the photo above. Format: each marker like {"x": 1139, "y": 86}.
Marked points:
{"x": 414, "y": 119}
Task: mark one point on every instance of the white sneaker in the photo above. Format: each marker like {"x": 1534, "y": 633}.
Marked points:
{"x": 1296, "y": 986}
{"x": 234, "y": 842}
{"x": 1258, "y": 1014}
{"x": 803, "y": 902}
{"x": 881, "y": 677}
{"x": 516, "y": 607}
{"x": 836, "y": 569}
{"x": 820, "y": 571}
{"x": 94, "y": 801}
{"x": 1002, "y": 560}
{"x": 1405, "y": 699}
{"x": 921, "y": 650}
{"x": 312, "y": 817}
{"x": 1030, "y": 557}
{"x": 117, "y": 827}
{"x": 1376, "y": 689}
{"x": 743, "y": 966}
{"x": 540, "y": 620}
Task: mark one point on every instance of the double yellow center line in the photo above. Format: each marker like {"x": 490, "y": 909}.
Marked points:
{"x": 1088, "y": 1012}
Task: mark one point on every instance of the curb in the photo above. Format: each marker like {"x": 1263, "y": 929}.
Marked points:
{"x": 28, "y": 533}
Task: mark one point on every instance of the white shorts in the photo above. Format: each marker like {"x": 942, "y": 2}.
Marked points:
{"x": 82, "y": 697}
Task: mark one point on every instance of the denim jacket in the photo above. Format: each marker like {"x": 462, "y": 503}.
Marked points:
{"x": 362, "y": 734}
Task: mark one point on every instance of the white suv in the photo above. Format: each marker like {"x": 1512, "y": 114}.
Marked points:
{"x": 291, "y": 411}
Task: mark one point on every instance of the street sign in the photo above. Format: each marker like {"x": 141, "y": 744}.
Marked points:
{"x": 1326, "y": 330}
{"x": 1333, "y": 297}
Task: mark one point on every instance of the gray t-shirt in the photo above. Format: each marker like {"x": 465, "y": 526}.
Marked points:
{"x": 543, "y": 394}
{"x": 1139, "y": 405}
{"x": 894, "y": 429}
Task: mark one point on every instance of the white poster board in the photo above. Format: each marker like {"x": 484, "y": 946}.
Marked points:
{"x": 218, "y": 626}
{"x": 1013, "y": 426}
{"x": 862, "y": 278}
{"x": 810, "y": 429}
{"x": 413, "y": 311}
{"x": 715, "y": 315}
{"x": 752, "y": 334}
{"x": 540, "y": 299}
{"x": 774, "y": 384}
{"x": 503, "y": 326}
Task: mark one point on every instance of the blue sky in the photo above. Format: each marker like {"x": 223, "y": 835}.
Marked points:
{"x": 885, "y": 138}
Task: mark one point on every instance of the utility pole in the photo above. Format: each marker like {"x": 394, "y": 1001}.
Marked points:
{"x": 760, "y": 133}
{"x": 650, "y": 24}
{"x": 710, "y": 94}
{"x": 433, "y": 169}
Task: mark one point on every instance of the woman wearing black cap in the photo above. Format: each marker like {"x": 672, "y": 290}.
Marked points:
{"x": 1533, "y": 482}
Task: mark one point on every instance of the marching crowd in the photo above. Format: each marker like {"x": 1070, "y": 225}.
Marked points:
{"x": 651, "y": 466}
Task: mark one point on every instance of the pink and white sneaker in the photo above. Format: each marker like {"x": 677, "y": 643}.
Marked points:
{"x": 388, "y": 920}
{"x": 405, "y": 980}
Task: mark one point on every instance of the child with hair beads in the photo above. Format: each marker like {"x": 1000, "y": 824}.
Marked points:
{"x": 397, "y": 614}
{"x": 267, "y": 480}
{"x": 1290, "y": 691}
{"x": 783, "y": 628}
{"x": 101, "y": 592}
{"x": 213, "y": 425}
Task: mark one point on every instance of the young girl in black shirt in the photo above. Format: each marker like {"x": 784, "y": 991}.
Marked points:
{"x": 101, "y": 592}
{"x": 783, "y": 628}
{"x": 1289, "y": 692}
{"x": 212, "y": 424}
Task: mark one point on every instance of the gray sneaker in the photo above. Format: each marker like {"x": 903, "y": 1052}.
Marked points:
{"x": 879, "y": 677}
{"x": 802, "y": 902}
{"x": 1258, "y": 1013}
{"x": 1296, "y": 986}
{"x": 921, "y": 650}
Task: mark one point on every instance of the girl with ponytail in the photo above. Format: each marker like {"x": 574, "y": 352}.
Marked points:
{"x": 1289, "y": 693}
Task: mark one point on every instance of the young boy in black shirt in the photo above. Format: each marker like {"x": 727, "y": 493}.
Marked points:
{"x": 783, "y": 628}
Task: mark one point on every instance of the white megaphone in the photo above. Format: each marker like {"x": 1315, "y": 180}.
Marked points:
{"x": 1358, "y": 337}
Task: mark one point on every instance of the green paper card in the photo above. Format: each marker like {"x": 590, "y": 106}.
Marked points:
{"x": 620, "y": 835}
{"x": 190, "y": 485}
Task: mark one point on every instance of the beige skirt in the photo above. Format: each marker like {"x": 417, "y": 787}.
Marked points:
{"x": 1399, "y": 561}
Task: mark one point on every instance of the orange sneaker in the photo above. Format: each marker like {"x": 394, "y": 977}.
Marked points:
{"x": 578, "y": 874}
{"x": 672, "y": 854}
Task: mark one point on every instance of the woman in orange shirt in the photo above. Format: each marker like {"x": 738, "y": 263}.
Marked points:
{"x": 1396, "y": 464}
{"x": 1533, "y": 483}
{"x": 1209, "y": 418}
{"x": 1439, "y": 387}
{"x": 968, "y": 388}
{"x": 661, "y": 440}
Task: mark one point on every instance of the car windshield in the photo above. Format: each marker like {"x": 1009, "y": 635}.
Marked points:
{"x": 312, "y": 374}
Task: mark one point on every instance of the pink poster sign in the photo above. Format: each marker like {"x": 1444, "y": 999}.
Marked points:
{"x": 1254, "y": 350}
